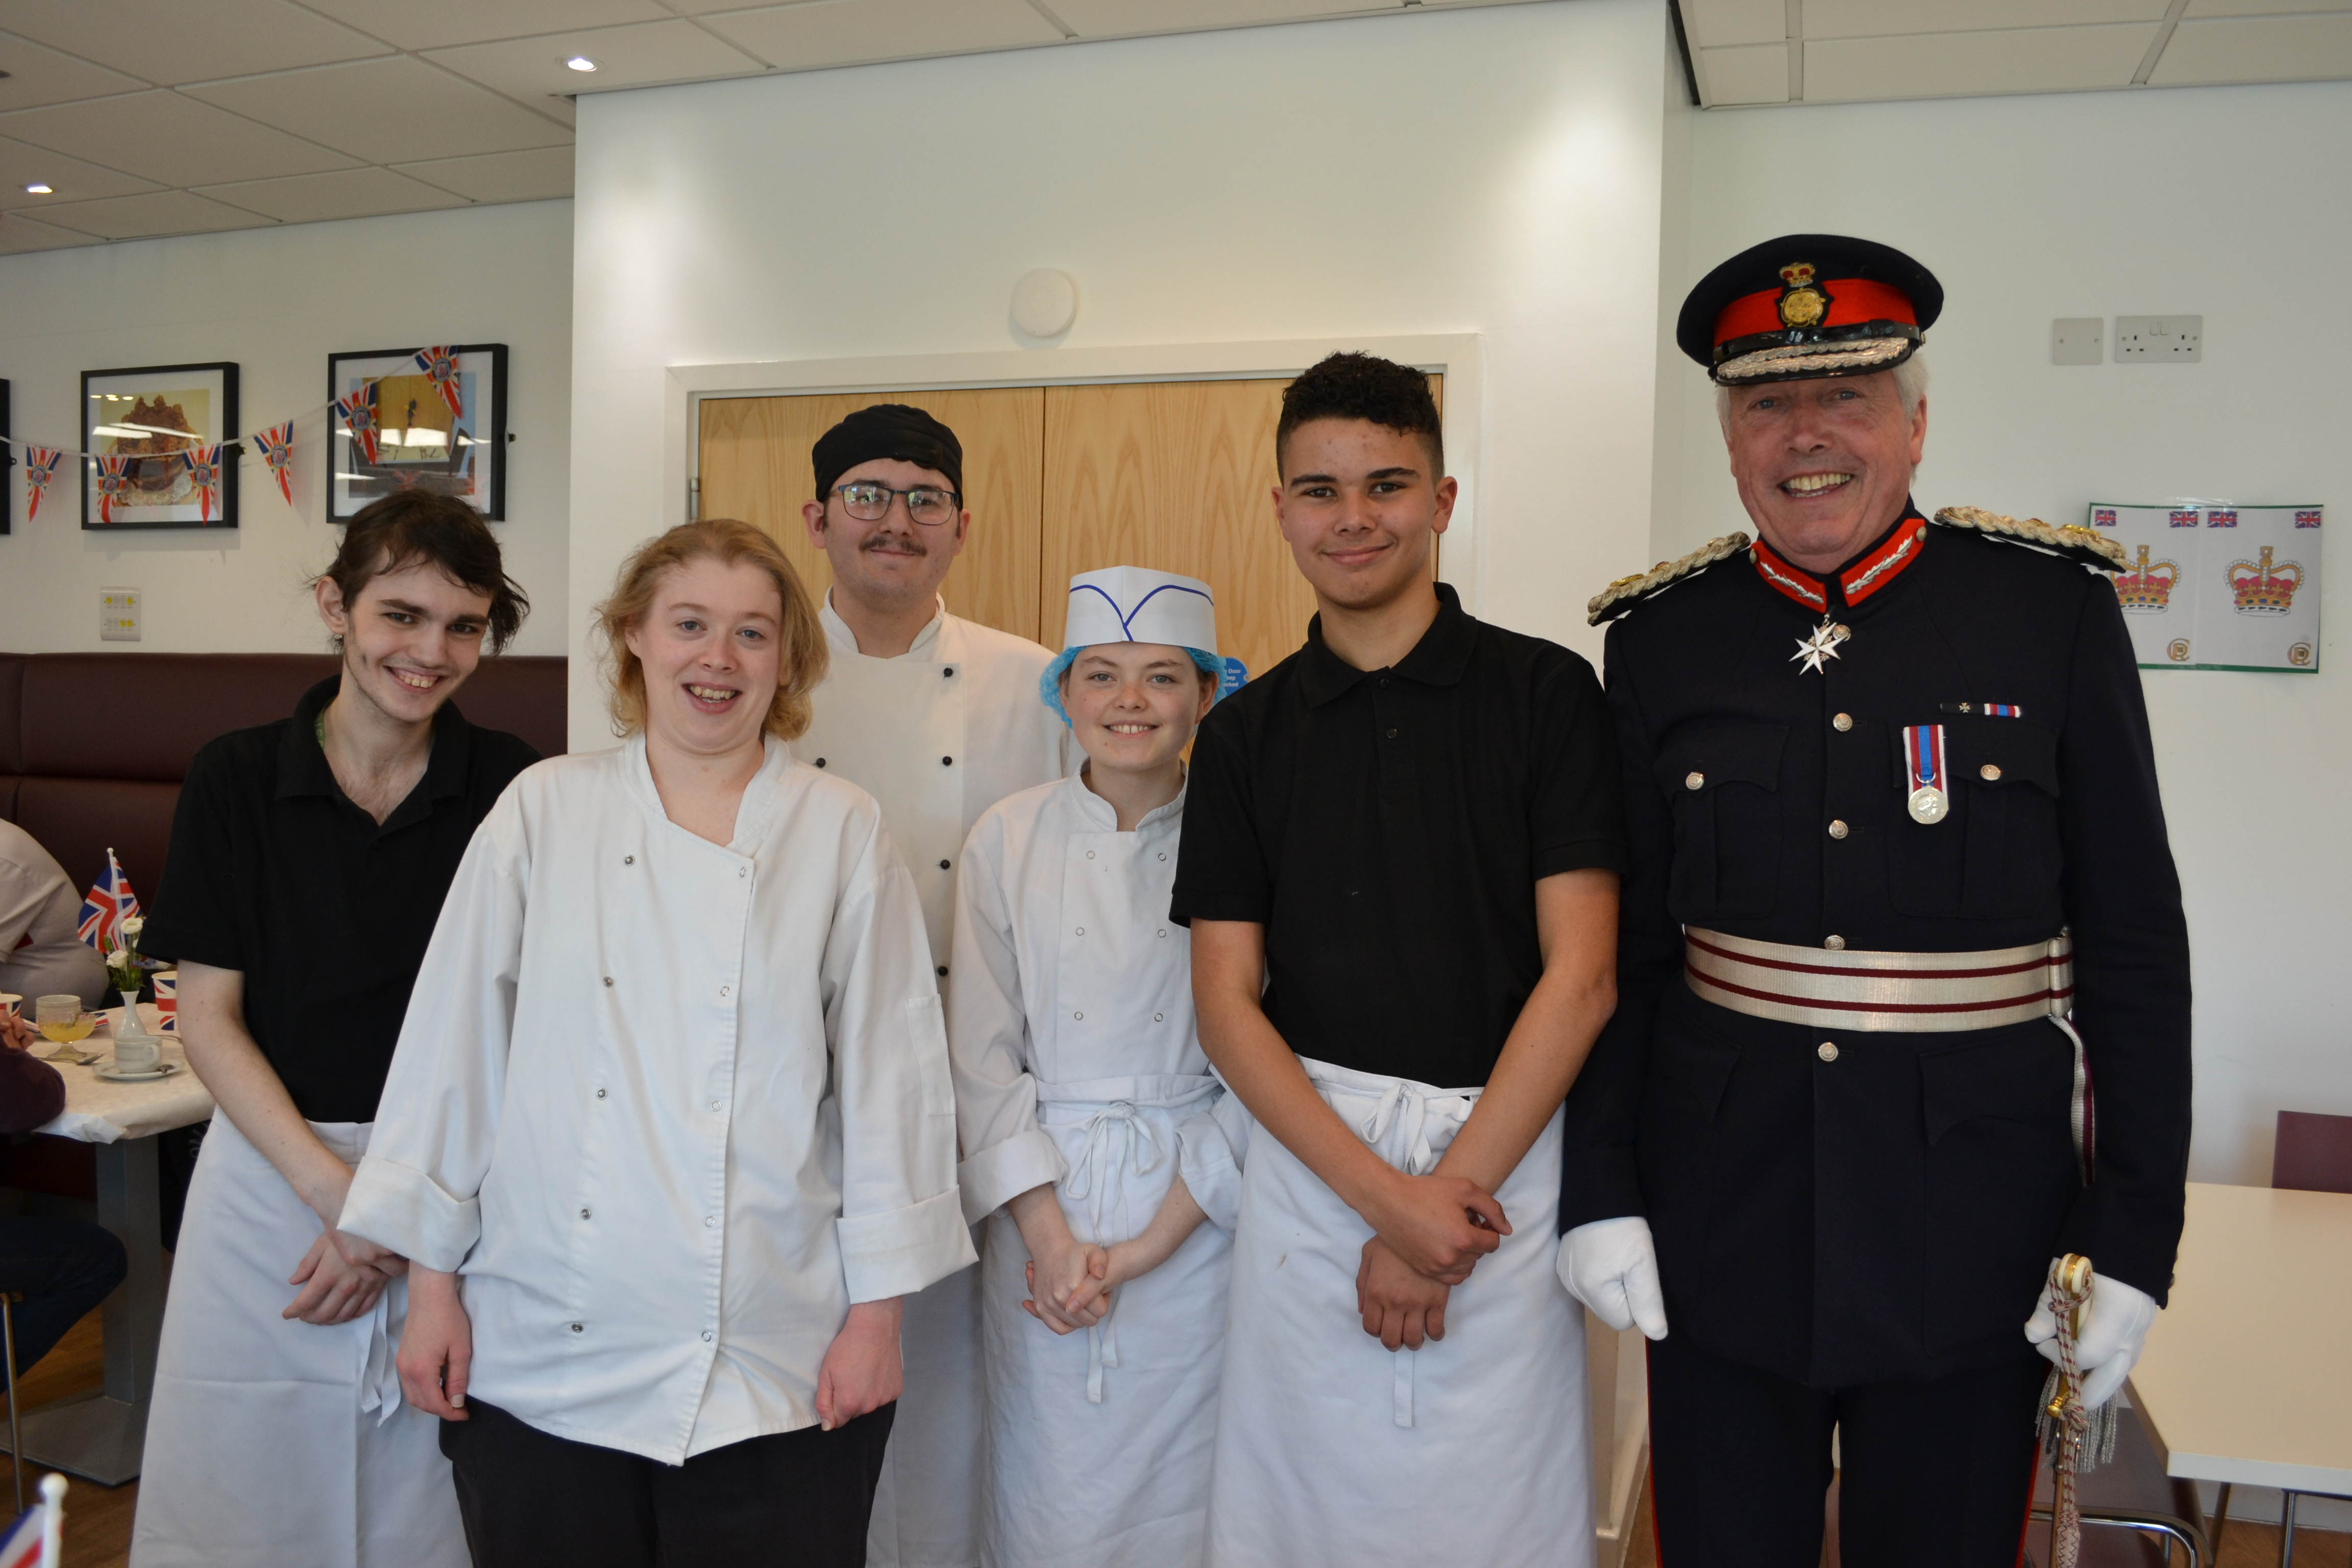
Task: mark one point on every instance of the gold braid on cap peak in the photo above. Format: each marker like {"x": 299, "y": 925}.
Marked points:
{"x": 1619, "y": 596}
{"x": 2072, "y": 540}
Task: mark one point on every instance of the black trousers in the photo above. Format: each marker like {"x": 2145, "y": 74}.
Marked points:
{"x": 1935, "y": 1474}
{"x": 64, "y": 1266}
{"x": 797, "y": 1499}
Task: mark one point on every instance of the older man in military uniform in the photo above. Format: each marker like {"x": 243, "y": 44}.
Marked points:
{"x": 1900, "y": 896}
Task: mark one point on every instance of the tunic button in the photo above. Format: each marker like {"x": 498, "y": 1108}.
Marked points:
{"x": 1835, "y": 944}
{"x": 1843, "y": 631}
{"x": 1392, "y": 732}
{"x": 1695, "y": 781}
{"x": 1841, "y": 723}
{"x": 1827, "y": 1051}
{"x": 1989, "y": 772}
{"x": 1837, "y": 829}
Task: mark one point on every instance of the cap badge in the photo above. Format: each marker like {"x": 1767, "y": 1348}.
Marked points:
{"x": 1802, "y": 303}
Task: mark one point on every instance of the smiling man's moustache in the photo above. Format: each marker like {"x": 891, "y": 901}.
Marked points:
{"x": 906, "y": 545}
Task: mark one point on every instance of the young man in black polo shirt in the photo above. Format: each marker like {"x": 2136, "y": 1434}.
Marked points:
{"x": 309, "y": 862}
{"x": 1400, "y": 865}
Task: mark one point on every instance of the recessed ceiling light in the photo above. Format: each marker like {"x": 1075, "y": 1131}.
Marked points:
{"x": 581, "y": 63}
{"x": 38, "y": 190}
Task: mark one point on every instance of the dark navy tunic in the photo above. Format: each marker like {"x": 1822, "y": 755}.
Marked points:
{"x": 1887, "y": 1210}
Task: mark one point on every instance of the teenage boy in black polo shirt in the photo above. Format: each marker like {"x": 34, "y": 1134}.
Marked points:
{"x": 309, "y": 862}
{"x": 1400, "y": 859}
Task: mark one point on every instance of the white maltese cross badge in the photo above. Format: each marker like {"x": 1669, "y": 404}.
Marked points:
{"x": 1820, "y": 646}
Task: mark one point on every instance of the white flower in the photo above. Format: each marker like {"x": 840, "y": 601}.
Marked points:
{"x": 133, "y": 925}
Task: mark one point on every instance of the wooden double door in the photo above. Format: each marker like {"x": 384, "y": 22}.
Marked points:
{"x": 1176, "y": 475}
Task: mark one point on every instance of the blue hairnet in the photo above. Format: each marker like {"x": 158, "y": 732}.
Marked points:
{"x": 1049, "y": 685}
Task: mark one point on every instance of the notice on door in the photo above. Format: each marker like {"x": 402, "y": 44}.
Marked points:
{"x": 2215, "y": 586}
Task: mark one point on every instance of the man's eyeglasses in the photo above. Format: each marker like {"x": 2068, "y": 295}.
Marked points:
{"x": 926, "y": 504}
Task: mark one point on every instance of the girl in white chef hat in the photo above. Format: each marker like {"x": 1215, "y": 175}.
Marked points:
{"x": 1088, "y": 1110}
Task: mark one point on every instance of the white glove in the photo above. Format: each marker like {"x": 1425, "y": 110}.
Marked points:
{"x": 2114, "y": 1327}
{"x": 1612, "y": 1265}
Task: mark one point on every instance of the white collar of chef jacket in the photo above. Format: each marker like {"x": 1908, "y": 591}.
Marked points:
{"x": 925, "y": 646}
{"x": 1103, "y": 817}
{"x": 751, "y": 818}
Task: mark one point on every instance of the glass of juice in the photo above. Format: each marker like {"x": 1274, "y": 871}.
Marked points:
{"x": 60, "y": 1020}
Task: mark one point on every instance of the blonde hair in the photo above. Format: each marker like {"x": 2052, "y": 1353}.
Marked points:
{"x": 800, "y": 636}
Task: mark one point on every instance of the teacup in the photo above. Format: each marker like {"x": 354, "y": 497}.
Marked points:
{"x": 140, "y": 1053}
{"x": 8, "y": 1002}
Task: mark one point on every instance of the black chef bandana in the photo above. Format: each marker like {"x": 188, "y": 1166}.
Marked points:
{"x": 886, "y": 430}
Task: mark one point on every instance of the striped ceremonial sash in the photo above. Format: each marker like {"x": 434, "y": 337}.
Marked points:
{"x": 1913, "y": 991}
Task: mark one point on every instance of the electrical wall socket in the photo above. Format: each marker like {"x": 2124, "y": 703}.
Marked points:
{"x": 118, "y": 615}
{"x": 2077, "y": 339}
{"x": 2160, "y": 339}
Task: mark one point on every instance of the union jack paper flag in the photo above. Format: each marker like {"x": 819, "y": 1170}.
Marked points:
{"x": 2222, "y": 517}
{"x": 2301, "y": 519}
{"x": 2103, "y": 517}
{"x": 40, "y": 468}
{"x": 442, "y": 366}
{"x": 358, "y": 412}
{"x": 276, "y": 446}
{"x": 24, "y": 1546}
{"x": 2184, "y": 519}
{"x": 110, "y": 903}
{"x": 202, "y": 464}
{"x": 113, "y": 484}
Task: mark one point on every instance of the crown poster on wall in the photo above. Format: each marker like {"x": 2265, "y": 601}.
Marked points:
{"x": 2217, "y": 585}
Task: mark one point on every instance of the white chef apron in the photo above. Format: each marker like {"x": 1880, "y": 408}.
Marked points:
{"x": 1099, "y": 1441}
{"x": 1333, "y": 1450}
{"x": 270, "y": 1441}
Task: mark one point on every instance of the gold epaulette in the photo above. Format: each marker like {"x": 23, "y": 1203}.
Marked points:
{"x": 2072, "y": 540}
{"x": 1618, "y": 597}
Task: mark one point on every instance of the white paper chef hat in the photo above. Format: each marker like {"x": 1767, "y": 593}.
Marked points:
{"x": 1135, "y": 604}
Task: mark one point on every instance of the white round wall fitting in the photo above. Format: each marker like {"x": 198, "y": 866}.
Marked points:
{"x": 1045, "y": 303}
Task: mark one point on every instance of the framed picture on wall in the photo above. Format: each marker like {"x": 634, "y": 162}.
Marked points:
{"x": 157, "y": 435}
{"x": 417, "y": 419}
{"x": 7, "y": 458}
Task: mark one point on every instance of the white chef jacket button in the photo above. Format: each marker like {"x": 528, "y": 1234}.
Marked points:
{"x": 584, "y": 1214}
{"x": 1163, "y": 931}
{"x": 725, "y": 990}
{"x": 575, "y": 1328}
{"x": 820, "y": 761}
{"x": 715, "y": 1104}
{"x": 1837, "y": 828}
{"x": 1159, "y": 1017}
{"x": 1080, "y": 1017}
{"x": 1827, "y": 1050}
{"x": 1835, "y": 944}
{"x": 707, "y": 1336}
{"x": 1841, "y": 723}
{"x": 608, "y": 980}
{"x": 1090, "y": 854}
{"x": 943, "y": 971}
{"x": 742, "y": 871}
{"x": 1082, "y": 931}
{"x": 949, "y": 671}
{"x": 943, "y": 865}
{"x": 709, "y": 1222}
{"x": 628, "y": 859}
{"x": 599, "y": 1094}
{"x": 947, "y": 762}
{"x": 1163, "y": 854}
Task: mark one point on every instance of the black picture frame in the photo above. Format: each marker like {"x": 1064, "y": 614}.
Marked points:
{"x": 162, "y": 504}
{"x": 468, "y": 452}
{"x": 7, "y": 461}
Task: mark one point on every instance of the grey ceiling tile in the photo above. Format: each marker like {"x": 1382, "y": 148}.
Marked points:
{"x": 818, "y": 33}
{"x": 39, "y": 75}
{"x": 537, "y": 175}
{"x": 2247, "y": 49}
{"x": 163, "y": 212}
{"x": 390, "y": 111}
{"x": 1966, "y": 64}
{"x": 1879, "y": 18}
{"x": 2202, "y": 8}
{"x": 1720, "y": 23}
{"x": 347, "y": 192}
{"x": 437, "y": 24}
{"x": 168, "y": 138}
{"x": 533, "y": 69}
{"x": 172, "y": 41}
{"x": 22, "y": 164}
{"x": 19, "y": 234}
{"x": 1752, "y": 73}
{"x": 1112, "y": 18}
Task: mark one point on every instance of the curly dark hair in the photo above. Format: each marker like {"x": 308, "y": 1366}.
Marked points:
{"x": 1363, "y": 386}
{"x": 411, "y": 526}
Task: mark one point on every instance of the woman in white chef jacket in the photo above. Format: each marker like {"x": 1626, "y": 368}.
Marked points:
{"x": 672, "y": 1102}
{"x": 1088, "y": 1110}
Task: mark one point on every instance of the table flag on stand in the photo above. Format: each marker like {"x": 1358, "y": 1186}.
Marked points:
{"x": 202, "y": 464}
{"x": 442, "y": 366}
{"x": 110, "y": 900}
{"x": 113, "y": 484}
{"x": 40, "y": 468}
{"x": 358, "y": 412}
{"x": 276, "y": 444}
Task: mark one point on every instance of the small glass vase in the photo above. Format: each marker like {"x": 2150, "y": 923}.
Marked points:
{"x": 131, "y": 1028}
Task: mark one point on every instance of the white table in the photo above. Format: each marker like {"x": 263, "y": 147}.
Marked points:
{"x": 99, "y": 1436}
{"x": 2247, "y": 1377}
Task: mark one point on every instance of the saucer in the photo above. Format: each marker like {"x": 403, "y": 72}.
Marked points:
{"x": 112, "y": 1074}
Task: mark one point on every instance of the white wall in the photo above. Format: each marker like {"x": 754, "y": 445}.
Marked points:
{"x": 2231, "y": 202}
{"x": 1487, "y": 171}
{"x": 277, "y": 301}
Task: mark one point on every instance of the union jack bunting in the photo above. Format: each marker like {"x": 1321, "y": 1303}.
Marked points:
{"x": 442, "y": 366}
{"x": 2103, "y": 517}
{"x": 2301, "y": 519}
{"x": 358, "y": 412}
{"x": 40, "y": 468}
{"x": 113, "y": 484}
{"x": 276, "y": 446}
{"x": 2184, "y": 519}
{"x": 110, "y": 901}
{"x": 202, "y": 464}
{"x": 2222, "y": 517}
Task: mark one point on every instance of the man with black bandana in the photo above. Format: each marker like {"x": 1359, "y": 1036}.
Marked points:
{"x": 938, "y": 718}
{"x": 1900, "y": 895}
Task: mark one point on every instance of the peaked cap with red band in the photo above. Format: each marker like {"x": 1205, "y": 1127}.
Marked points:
{"x": 1807, "y": 305}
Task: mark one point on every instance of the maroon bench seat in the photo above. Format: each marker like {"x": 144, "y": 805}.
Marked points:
{"x": 93, "y": 746}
